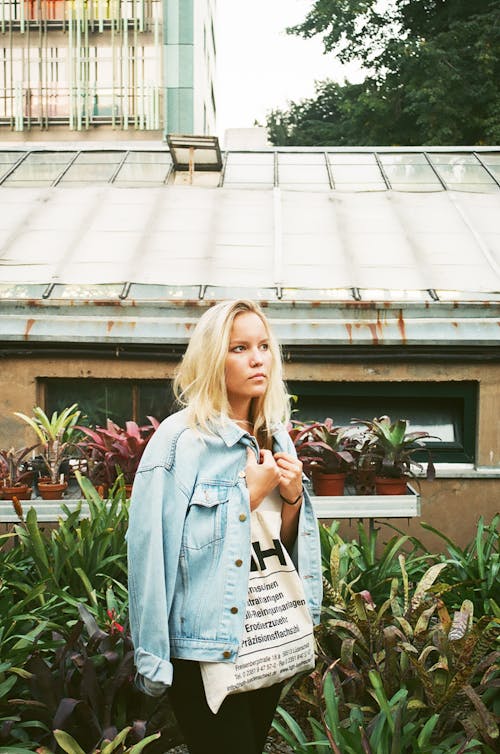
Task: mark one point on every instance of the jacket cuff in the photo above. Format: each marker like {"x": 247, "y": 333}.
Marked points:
{"x": 153, "y": 668}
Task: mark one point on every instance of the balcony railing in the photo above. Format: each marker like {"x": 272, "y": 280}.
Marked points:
{"x": 80, "y": 107}
{"x": 100, "y": 15}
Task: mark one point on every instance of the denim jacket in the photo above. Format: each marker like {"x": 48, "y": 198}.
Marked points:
{"x": 189, "y": 547}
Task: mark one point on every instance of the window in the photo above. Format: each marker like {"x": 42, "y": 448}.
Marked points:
{"x": 444, "y": 409}
{"x": 118, "y": 400}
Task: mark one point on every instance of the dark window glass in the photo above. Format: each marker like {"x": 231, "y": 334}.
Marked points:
{"x": 156, "y": 398}
{"x": 445, "y": 409}
{"x": 118, "y": 400}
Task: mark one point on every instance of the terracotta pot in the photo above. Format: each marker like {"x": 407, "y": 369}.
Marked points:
{"x": 390, "y": 486}
{"x": 50, "y": 491}
{"x": 21, "y": 491}
{"x": 328, "y": 484}
{"x": 103, "y": 490}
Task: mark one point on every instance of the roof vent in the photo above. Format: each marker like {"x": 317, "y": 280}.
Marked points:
{"x": 195, "y": 153}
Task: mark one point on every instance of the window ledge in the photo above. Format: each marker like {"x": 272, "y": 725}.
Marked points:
{"x": 462, "y": 471}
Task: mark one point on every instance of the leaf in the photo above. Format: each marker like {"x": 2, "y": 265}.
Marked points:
{"x": 37, "y": 543}
{"x": 117, "y": 741}
{"x": 460, "y": 623}
{"x": 5, "y": 686}
{"x": 378, "y": 688}
{"x": 489, "y": 725}
{"x": 67, "y": 742}
{"x": 425, "y": 583}
{"x": 423, "y": 620}
{"x": 142, "y": 744}
{"x": 88, "y": 586}
{"x": 293, "y": 726}
{"x": 426, "y": 732}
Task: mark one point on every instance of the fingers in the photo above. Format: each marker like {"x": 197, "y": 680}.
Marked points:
{"x": 288, "y": 464}
{"x": 267, "y": 458}
{"x": 251, "y": 459}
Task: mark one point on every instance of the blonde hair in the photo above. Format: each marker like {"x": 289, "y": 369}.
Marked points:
{"x": 200, "y": 383}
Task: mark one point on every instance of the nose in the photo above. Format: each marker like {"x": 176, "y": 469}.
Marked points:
{"x": 255, "y": 357}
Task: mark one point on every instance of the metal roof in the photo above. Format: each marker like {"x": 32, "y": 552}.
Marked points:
{"x": 370, "y": 236}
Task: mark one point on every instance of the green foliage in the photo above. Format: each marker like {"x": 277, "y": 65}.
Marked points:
{"x": 69, "y": 745}
{"x": 398, "y": 672}
{"x": 475, "y": 569}
{"x": 391, "y": 447}
{"x": 66, "y": 659}
{"x": 432, "y": 72}
{"x": 395, "y": 729}
{"x": 56, "y": 435}
{"x": 364, "y": 562}
{"x": 81, "y": 556}
{"x": 409, "y": 673}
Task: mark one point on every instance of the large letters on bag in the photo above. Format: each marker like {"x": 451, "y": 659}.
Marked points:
{"x": 278, "y": 637}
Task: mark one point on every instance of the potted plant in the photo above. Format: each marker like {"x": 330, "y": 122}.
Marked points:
{"x": 56, "y": 440}
{"x": 15, "y": 480}
{"x": 324, "y": 450}
{"x": 389, "y": 449}
{"x": 112, "y": 450}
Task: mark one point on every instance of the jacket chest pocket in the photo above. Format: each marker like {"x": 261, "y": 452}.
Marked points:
{"x": 206, "y": 517}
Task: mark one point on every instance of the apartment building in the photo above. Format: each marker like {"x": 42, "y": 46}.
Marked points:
{"x": 108, "y": 69}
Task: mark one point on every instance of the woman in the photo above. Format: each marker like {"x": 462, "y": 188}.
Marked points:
{"x": 204, "y": 471}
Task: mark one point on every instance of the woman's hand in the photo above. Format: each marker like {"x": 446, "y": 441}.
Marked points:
{"x": 291, "y": 490}
{"x": 291, "y": 476}
{"x": 261, "y": 477}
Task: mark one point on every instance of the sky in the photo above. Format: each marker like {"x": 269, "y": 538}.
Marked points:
{"x": 260, "y": 67}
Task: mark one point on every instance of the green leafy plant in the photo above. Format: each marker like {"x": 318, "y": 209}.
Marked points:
{"x": 391, "y": 448}
{"x": 68, "y": 665}
{"x": 448, "y": 665}
{"x": 56, "y": 435}
{"x": 393, "y": 729}
{"x": 79, "y": 557}
{"x": 106, "y": 746}
{"x": 398, "y": 670}
{"x": 476, "y": 567}
{"x": 366, "y": 561}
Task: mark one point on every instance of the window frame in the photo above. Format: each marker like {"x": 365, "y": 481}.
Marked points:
{"x": 442, "y": 452}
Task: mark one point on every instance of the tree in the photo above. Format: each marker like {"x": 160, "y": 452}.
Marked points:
{"x": 432, "y": 68}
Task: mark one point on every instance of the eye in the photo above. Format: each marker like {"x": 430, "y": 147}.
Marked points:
{"x": 264, "y": 346}
{"x": 237, "y": 349}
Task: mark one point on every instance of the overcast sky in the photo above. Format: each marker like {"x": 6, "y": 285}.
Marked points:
{"x": 259, "y": 66}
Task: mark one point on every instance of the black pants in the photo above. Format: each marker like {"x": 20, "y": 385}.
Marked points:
{"x": 241, "y": 724}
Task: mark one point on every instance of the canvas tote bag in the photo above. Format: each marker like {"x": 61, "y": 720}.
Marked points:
{"x": 277, "y": 640}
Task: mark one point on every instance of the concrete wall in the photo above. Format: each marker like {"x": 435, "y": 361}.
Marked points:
{"x": 453, "y": 505}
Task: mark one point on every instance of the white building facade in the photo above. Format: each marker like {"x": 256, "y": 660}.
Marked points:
{"x": 106, "y": 67}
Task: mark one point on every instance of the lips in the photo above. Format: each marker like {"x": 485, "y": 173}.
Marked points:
{"x": 258, "y": 376}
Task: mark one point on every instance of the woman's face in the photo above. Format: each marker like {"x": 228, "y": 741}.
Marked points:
{"x": 248, "y": 362}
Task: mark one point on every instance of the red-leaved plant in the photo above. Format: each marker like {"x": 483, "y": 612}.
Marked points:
{"x": 113, "y": 449}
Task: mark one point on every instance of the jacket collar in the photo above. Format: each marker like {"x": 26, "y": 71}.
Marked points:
{"x": 231, "y": 433}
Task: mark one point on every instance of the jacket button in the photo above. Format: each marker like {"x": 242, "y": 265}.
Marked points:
{"x": 242, "y": 474}
{"x": 238, "y": 563}
{"x": 243, "y": 517}
{"x": 226, "y": 654}
{"x": 234, "y": 610}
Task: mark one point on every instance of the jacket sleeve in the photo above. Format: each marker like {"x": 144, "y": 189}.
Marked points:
{"x": 157, "y": 513}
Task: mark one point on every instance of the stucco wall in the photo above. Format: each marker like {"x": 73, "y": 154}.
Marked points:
{"x": 452, "y": 506}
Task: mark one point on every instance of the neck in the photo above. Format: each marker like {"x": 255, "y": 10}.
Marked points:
{"x": 246, "y": 422}
{"x": 240, "y": 412}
